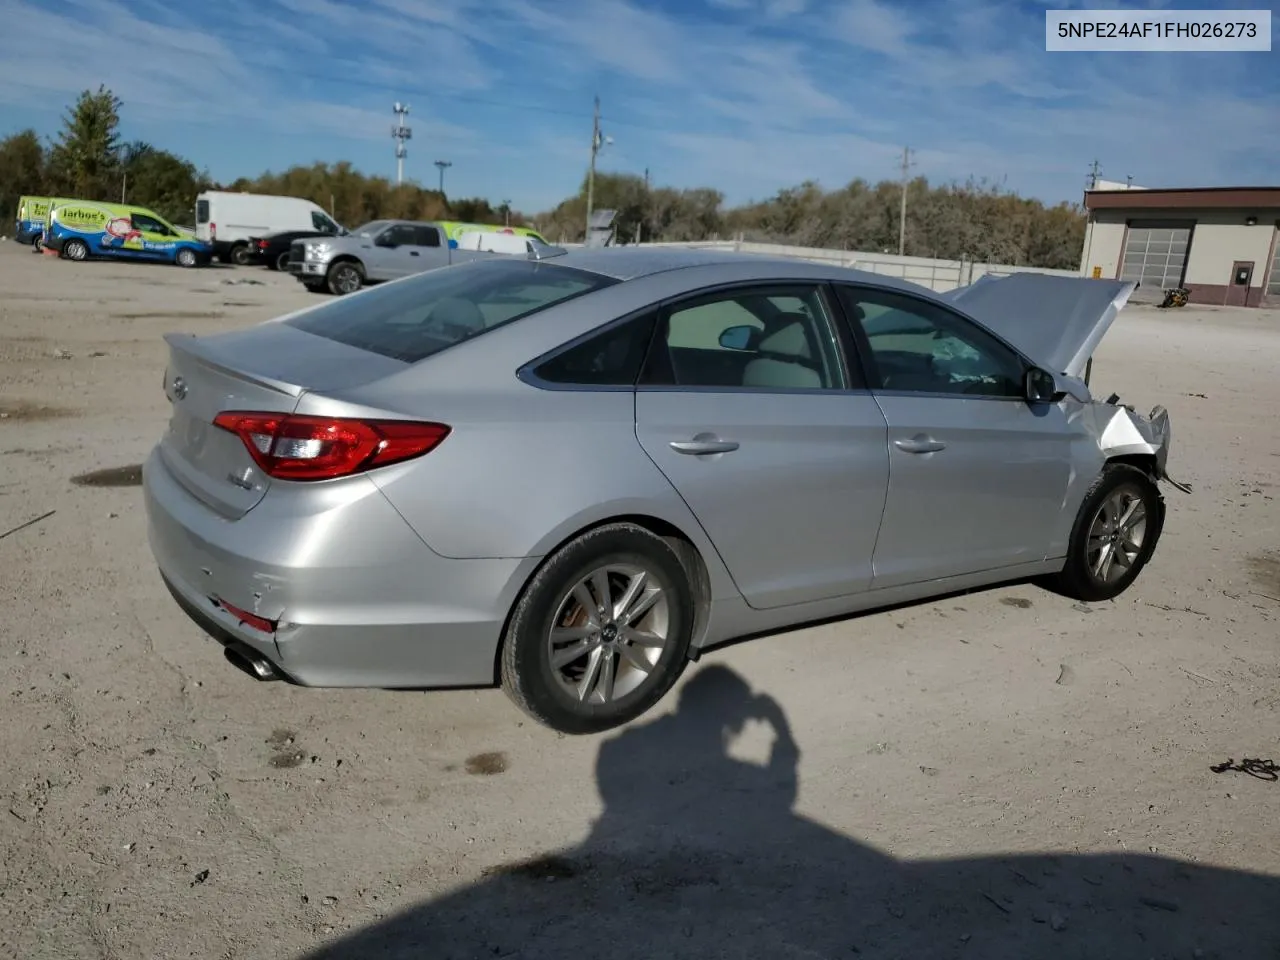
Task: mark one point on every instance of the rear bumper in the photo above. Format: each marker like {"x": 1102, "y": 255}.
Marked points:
{"x": 359, "y": 600}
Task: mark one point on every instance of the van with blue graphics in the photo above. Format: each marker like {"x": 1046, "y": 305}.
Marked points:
{"x": 80, "y": 229}
{"x": 33, "y": 217}
{"x": 454, "y": 229}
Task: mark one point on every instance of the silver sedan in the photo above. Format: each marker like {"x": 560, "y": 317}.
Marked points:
{"x": 571, "y": 475}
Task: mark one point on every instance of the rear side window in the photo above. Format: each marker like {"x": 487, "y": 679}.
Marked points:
{"x": 612, "y": 358}
{"x": 202, "y": 211}
{"x": 426, "y": 236}
{"x": 418, "y": 317}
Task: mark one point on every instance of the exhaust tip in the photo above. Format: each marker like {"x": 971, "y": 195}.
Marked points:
{"x": 252, "y": 663}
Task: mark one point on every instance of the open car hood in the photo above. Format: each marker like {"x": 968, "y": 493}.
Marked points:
{"x": 1056, "y": 321}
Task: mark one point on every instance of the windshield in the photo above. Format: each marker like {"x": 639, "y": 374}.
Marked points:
{"x": 418, "y": 317}
{"x": 369, "y": 229}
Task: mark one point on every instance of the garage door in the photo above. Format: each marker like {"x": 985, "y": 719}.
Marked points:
{"x": 1273, "y": 285}
{"x": 1155, "y": 255}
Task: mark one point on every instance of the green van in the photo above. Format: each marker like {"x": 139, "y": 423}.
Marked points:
{"x": 80, "y": 229}
{"x": 33, "y": 217}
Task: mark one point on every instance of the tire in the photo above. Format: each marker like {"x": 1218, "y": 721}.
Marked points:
{"x": 76, "y": 250}
{"x": 543, "y": 689}
{"x": 345, "y": 277}
{"x": 185, "y": 258}
{"x": 240, "y": 254}
{"x": 280, "y": 263}
{"x": 37, "y": 246}
{"x": 1117, "y": 487}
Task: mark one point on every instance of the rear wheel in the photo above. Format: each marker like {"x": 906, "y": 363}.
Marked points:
{"x": 281, "y": 262}
{"x": 37, "y": 245}
{"x": 240, "y": 254}
{"x": 75, "y": 250}
{"x": 185, "y": 258}
{"x": 345, "y": 277}
{"x": 1115, "y": 534}
{"x": 601, "y": 632}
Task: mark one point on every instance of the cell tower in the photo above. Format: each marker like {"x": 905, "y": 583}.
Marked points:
{"x": 400, "y": 133}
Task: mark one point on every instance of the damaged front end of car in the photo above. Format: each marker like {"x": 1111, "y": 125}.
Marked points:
{"x": 1059, "y": 321}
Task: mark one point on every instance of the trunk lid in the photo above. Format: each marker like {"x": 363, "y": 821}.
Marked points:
{"x": 1056, "y": 321}
{"x": 265, "y": 368}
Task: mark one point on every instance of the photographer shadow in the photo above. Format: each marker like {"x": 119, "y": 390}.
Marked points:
{"x": 700, "y": 855}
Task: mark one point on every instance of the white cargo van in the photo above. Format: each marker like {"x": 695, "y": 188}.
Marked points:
{"x": 495, "y": 242}
{"x": 228, "y": 220}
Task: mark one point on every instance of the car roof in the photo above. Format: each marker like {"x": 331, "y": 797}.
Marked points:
{"x": 631, "y": 263}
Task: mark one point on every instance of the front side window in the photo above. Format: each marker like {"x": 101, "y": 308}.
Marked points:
{"x": 149, "y": 224}
{"x": 418, "y": 317}
{"x": 763, "y": 338}
{"x": 322, "y": 223}
{"x": 920, "y": 347}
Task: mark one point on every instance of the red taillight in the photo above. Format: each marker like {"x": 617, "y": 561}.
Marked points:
{"x": 213, "y": 231}
{"x": 321, "y": 448}
{"x": 262, "y": 244}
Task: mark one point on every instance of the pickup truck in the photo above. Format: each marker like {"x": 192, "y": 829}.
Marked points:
{"x": 378, "y": 251}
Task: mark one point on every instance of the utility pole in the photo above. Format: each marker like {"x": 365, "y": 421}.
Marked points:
{"x": 597, "y": 142}
{"x": 506, "y": 213}
{"x": 400, "y": 133}
{"x": 907, "y": 164}
{"x": 442, "y": 166}
{"x": 1093, "y": 175}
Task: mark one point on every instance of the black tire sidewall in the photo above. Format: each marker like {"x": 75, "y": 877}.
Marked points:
{"x": 73, "y": 245}
{"x": 187, "y": 256}
{"x": 239, "y": 254}
{"x": 281, "y": 261}
{"x": 528, "y": 675}
{"x": 1077, "y": 572}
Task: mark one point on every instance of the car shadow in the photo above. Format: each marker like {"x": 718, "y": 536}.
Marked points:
{"x": 700, "y": 855}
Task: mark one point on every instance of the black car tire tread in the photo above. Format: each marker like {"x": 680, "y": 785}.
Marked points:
{"x": 525, "y": 669}
{"x": 1075, "y": 580}
{"x": 329, "y": 276}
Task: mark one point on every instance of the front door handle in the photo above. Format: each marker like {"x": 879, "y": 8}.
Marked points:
{"x": 701, "y": 447}
{"x": 413, "y": 253}
{"x": 920, "y": 444}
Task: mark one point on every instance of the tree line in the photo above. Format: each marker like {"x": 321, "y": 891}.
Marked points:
{"x": 975, "y": 220}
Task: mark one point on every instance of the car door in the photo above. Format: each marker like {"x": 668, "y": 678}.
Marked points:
{"x": 155, "y": 238}
{"x": 425, "y": 253}
{"x": 748, "y": 406}
{"x": 977, "y": 475}
{"x": 389, "y": 256}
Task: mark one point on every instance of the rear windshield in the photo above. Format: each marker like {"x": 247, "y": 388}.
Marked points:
{"x": 415, "y": 318}
{"x": 202, "y": 211}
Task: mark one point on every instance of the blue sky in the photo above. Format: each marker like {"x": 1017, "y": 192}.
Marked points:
{"x": 745, "y": 95}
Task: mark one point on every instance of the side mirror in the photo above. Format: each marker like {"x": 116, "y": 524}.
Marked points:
{"x": 737, "y": 338}
{"x": 1040, "y": 386}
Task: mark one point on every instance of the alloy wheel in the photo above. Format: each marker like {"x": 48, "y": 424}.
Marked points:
{"x": 1117, "y": 534}
{"x": 609, "y": 633}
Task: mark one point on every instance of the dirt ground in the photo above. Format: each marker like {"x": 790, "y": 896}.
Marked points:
{"x": 1003, "y": 773}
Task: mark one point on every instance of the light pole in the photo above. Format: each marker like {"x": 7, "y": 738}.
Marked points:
{"x": 597, "y": 142}
{"x": 506, "y": 213}
{"x": 443, "y": 165}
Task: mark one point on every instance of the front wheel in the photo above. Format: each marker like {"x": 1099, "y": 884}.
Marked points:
{"x": 75, "y": 250}
{"x": 185, "y": 258}
{"x": 601, "y": 632}
{"x": 346, "y": 277}
{"x": 281, "y": 262}
{"x": 1115, "y": 534}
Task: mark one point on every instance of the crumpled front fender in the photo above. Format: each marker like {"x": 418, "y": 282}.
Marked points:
{"x": 1124, "y": 432}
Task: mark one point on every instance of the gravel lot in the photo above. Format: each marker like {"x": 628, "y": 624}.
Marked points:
{"x": 998, "y": 774}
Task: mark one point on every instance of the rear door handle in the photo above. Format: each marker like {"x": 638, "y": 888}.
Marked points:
{"x": 698, "y": 447}
{"x": 920, "y": 444}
